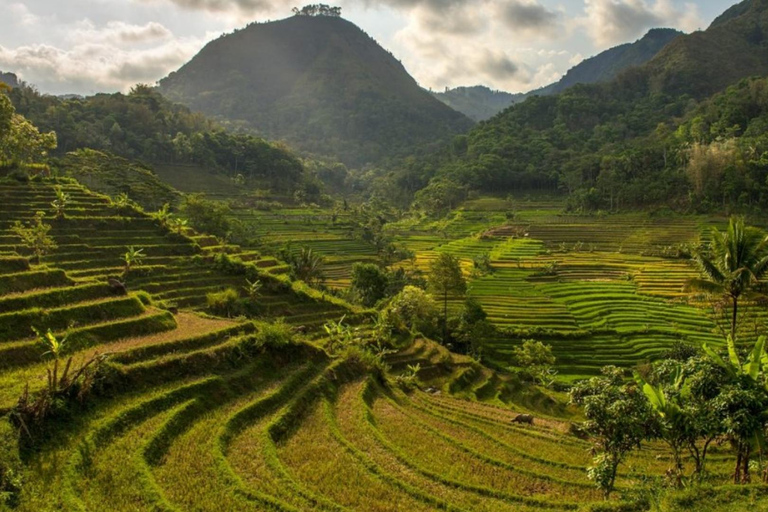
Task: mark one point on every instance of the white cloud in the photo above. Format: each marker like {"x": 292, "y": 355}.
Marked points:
{"x": 90, "y": 67}
{"x": 119, "y": 32}
{"x": 21, "y": 14}
{"x": 610, "y": 22}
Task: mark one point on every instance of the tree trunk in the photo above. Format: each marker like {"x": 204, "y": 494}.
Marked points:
{"x": 445, "y": 318}
{"x": 737, "y": 471}
{"x": 745, "y": 478}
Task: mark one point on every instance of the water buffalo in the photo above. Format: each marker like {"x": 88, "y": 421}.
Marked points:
{"x": 523, "y": 418}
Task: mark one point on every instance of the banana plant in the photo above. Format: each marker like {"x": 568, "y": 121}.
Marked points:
{"x": 751, "y": 368}
{"x": 674, "y": 425}
{"x": 61, "y": 202}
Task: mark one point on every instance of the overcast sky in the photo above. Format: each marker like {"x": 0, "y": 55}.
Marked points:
{"x": 88, "y": 46}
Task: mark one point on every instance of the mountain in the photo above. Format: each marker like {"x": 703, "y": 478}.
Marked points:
{"x": 608, "y": 64}
{"x": 631, "y": 142}
{"x": 9, "y": 79}
{"x": 735, "y": 46}
{"x": 320, "y": 84}
{"x": 481, "y": 103}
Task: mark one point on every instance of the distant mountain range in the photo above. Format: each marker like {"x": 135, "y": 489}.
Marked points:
{"x": 480, "y": 103}
{"x": 318, "y": 83}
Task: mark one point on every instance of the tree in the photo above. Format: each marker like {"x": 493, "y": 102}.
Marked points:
{"x": 411, "y": 309}
{"x": 446, "y": 279}
{"x": 535, "y": 357}
{"x": 308, "y": 266}
{"x": 369, "y": 282}
{"x": 737, "y": 261}
{"x": 674, "y": 421}
{"x": 619, "y": 419}
{"x": 212, "y": 217}
{"x": 34, "y": 235}
{"x": 20, "y": 141}
{"x": 742, "y": 403}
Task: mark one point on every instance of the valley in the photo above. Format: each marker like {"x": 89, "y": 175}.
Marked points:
{"x": 285, "y": 275}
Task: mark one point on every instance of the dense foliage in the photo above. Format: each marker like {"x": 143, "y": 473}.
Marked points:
{"x": 142, "y": 125}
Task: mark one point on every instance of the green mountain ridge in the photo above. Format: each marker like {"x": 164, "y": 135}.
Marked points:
{"x": 318, "y": 83}
{"x": 620, "y": 144}
{"x": 480, "y": 103}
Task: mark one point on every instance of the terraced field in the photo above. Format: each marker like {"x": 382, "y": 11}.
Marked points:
{"x": 176, "y": 269}
{"x": 198, "y": 416}
{"x": 580, "y": 283}
{"x": 599, "y": 289}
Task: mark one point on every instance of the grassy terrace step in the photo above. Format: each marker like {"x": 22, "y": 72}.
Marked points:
{"x": 353, "y": 418}
{"x": 53, "y": 297}
{"x": 192, "y": 333}
{"x": 38, "y": 278}
{"x": 16, "y": 354}
{"x": 13, "y": 264}
{"x": 186, "y": 442}
{"x": 17, "y": 325}
{"x": 443, "y": 464}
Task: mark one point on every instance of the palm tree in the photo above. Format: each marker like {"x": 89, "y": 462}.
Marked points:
{"x": 735, "y": 264}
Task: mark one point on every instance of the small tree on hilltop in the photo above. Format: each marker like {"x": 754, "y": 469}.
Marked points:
{"x": 446, "y": 279}
{"x": 34, "y": 235}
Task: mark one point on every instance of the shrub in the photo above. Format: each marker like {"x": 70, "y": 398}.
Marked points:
{"x": 34, "y": 235}
{"x": 224, "y": 303}
{"x": 275, "y": 335}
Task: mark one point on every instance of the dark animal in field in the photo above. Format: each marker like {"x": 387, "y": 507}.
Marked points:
{"x": 523, "y": 418}
{"x": 117, "y": 287}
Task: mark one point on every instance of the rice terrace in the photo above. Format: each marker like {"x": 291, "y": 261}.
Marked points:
{"x": 282, "y": 275}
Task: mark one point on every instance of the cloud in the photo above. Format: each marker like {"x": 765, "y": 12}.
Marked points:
{"x": 497, "y": 65}
{"x": 118, "y": 32}
{"x": 529, "y": 16}
{"x": 91, "y": 67}
{"x": 609, "y": 22}
{"x": 219, "y": 6}
{"x": 21, "y": 13}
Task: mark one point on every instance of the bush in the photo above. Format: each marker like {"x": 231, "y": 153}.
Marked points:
{"x": 275, "y": 335}
{"x": 224, "y": 303}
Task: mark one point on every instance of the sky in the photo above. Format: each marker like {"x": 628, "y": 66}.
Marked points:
{"x": 90, "y": 46}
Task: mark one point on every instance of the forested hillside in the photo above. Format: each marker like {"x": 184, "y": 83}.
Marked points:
{"x": 142, "y": 125}
{"x": 479, "y": 102}
{"x": 618, "y": 144}
{"x": 319, "y": 83}
{"x": 610, "y": 63}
